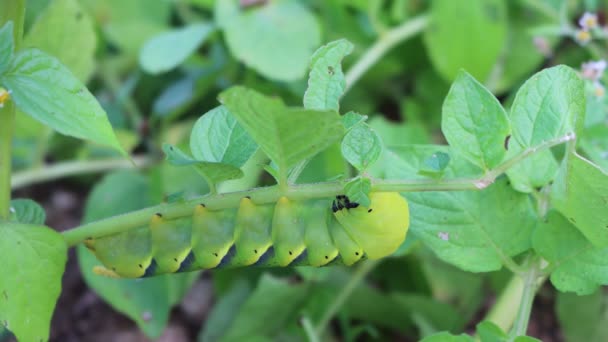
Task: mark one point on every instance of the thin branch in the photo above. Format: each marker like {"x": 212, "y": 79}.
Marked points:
{"x": 14, "y": 11}
{"x": 532, "y": 281}
{"x": 387, "y": 41}
{"x": 309, "y": 330}
{"x": 344, "y": 294}
{"x": 7, "y": 119}
{"x": 71, "y": 168}
{"x": 271, "y": 194}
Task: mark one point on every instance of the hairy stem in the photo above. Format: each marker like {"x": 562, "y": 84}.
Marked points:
{"x": 388, "y": 39}
{"x": 301, "y": 192}
{"x": 71, "y": 168}
{"x": 9, "y": 11}
{"x": 344, "y": 294}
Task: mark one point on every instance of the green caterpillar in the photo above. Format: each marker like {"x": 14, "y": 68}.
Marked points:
{"x": 310, "y": 233}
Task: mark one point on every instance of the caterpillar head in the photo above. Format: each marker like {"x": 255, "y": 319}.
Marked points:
{"x": 378, "y": 229}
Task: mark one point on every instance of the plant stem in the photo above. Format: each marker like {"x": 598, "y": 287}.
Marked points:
{"x": 530, "y": 285}
{"x": 387, "y": 41}
{"x": 301, "y": 192}
{"x": 7, "y": 119}
{"x": 309, "y": 330}
{"x": 71, "y": 168}
{"x": 10, "y": 10}
{"x": 503, "y": 312}
{"x": 344, "y": 294}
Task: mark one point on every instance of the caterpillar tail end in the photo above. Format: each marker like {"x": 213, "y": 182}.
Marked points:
{"x": 102, "y": 271}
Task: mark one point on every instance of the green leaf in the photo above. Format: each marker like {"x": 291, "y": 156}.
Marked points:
{"x": 128, "y": 24}
{"x": 272, "y": 305}
{"x": 474, "y": 122}
{"x": 358, "y": 191}
{"x": 447, "y": 337}
{"x": 326, "y": 82}
{"x": 61, "y": 19}
{"x": 224, "y": 312}
{"x": 435, "y": 165}
{"x": 475, "y": 231}
{"x": 279, "y": 130}
{"x": 27, "y": 211}
{"x": 33, "y": 260}
{"x": 218, "y": 137}
{"x": 351, "y": 119}
{"x": 213, "y": 172}
{"x": 406, "y": 161}
{"x": 490, "y": 332}
{"x": 146, "y": 301}
{"x": 7, "y": 46}
{"x": 171, "y": 48}
{"x": 521, "y": 55}
{"x": 276, "y": 39}
{"x": 549, "y": 105}
{"x": 594, "y": 144}
{"x": 469, "y": 35}
{"x": 46, "y": 90}
{"x": 582, "y": 318}
{"x": 361, "y": 146}
{"x": 580, "y": 193}
{"x": 578, "y": 266}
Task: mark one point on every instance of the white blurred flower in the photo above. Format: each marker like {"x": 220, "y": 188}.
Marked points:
{"x": 593, "y": 70}
{"x": 582, "y": 36}
{"x": 588, "y": 21}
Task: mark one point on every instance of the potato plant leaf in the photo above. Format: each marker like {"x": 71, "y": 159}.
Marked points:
{"x": 578, "y": 266}
{"x": 361, "y": 146}
{"x": 263, "y": 37}
{"x": 549, "y": 105}
{"x": 33, "y": 259}
{"x": 358, "y": 191}
{"x": 211, "y": 171}
{"x": 7, "y": 46}
{"x": 218, "y": 137}
{"x": 469, "y": 35}
{"x": 580, "y": 193}
{"x": 474, "y": 122}
{"x": 27, "y": 211}
{"x": 280, "y": 130}
{"x": 45, "y": 89}
{"x": 326, "y": 82}
{"x": 61, "y": 19}
{"x": 169, "y": 49}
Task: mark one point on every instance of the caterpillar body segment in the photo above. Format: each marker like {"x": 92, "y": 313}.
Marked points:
{"x": 128, "y": 255}
{"x": 288, "y": 227}
{"x": 252, "y": 232}
{"x": 313, "y": 233}
{"x": 321, "y": 248}
{"x": 170, "y": 243}
{"x": 212, "y": 236}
